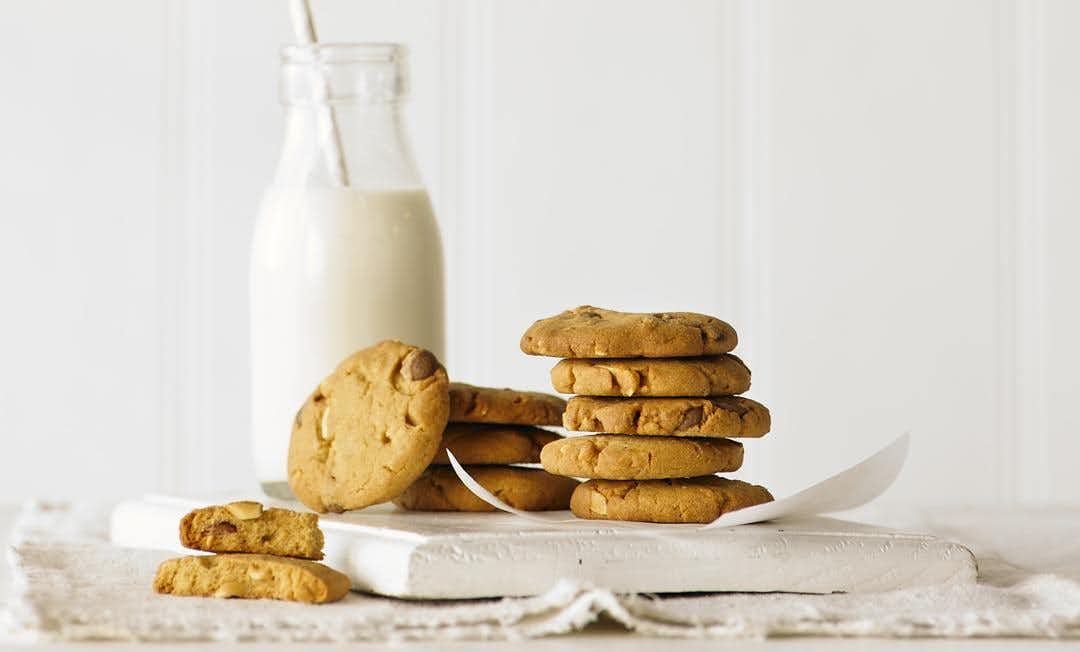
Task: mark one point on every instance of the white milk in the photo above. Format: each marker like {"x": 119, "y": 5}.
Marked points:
{"x": 333, "y": 270}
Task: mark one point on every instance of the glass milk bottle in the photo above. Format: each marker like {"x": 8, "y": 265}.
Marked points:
{"x": 346, "y": 250}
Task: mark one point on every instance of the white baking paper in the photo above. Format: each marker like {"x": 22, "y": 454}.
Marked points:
{"x": 848, "y": 489}
{"x": 490, "y": 499}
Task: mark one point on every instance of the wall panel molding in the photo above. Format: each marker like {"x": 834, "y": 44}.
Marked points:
{"x": 465, "y": 181}
{"x": 1028, "y": 436}
{"x": 1022, "y": 420}
{"x": 1005, "y": 49}
{"x": 749, "y": 136}
{"x": 184, "y": 230}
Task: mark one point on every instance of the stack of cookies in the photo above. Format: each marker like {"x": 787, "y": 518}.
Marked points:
{"x": 261, "y": 553}
{"x": 489, "y": 432}
{"x": 662, "y": 388}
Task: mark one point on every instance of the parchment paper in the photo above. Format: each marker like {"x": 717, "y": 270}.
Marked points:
{"x": 848, "y": 489}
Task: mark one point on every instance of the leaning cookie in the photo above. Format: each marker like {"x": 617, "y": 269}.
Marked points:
{"x": 369, "y": 429}
{"x": 246, "y": 527}
{"x": 472, "y": 404}
{"x": 251, "y": 576}
{"x": 481, "y": 443}
{"x": 717, "y": 375}
{"x": 588, "y": 332}
{"x": 439, "y": 490}
{"x": 625, "y": 457}
{"x": 721, "y": 416}
{"x": 693, "y": 500}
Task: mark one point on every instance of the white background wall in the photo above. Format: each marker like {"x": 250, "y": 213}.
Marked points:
{"x": 880, "y": 195}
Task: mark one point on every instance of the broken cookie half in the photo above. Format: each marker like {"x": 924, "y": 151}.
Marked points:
{"x": 251, "y": 576}
{"x": 246, "y": 527}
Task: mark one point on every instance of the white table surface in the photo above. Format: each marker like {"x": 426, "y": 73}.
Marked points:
{"x": 599, "y": 636}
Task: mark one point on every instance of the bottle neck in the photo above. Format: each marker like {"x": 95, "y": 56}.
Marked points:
{"x": 343, "y": 120}
{"x": 374, "y": 146}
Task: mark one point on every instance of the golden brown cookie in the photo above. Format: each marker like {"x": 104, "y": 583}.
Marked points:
{"x": 369, "y": 429}
{"x": 721, "y": 416}
{"x": 246, "y": 527}
{"x": 439, "y": 490}
{"x": 481, "y": 443}
{"x": 626, "y": 457}
{"x": 692, "y": 500}
{"x": 251, "y": 576}
{"x": 588, "y": 332}
{"x": 471, "y": 404}
{"x": 716, "y": 375}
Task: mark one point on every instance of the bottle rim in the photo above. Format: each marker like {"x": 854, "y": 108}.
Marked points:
{"x": 343, "y": 73}
{"x": 343, "y": 53}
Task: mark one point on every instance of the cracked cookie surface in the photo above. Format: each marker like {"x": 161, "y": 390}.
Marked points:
{"x": 589, "y": 332}
{"x": 718, "y": 375}
{"x": 626, "y": 457}
{"x": 473, "y": 404}
{"x": 722, "y": 416}
{"x": 247, "y": 527}
{"x": 251, "y": 576}
{"x": 369, "y": 429}
{"x": 480, "y": 443}
{"x": 691, "y": 500}
{"x": 439, "y": 490}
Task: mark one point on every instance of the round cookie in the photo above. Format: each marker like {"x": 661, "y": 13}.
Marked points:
{"x": 625, "y": 457}
{"x": 722, "y": 416}
{"x": 717, "y": 375}
{"x": 369, "y": 429}
{"x": 691, "y": 500}
{"x": 588, "y": 332}
{"x": 439, "y": 490}
{"x": 481, "y": 443}
{"x": 471, "y": 404}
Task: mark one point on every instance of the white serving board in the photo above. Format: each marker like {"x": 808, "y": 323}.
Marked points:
{"x": 459, "y": 555}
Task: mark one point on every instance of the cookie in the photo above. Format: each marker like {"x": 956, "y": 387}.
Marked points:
{"x": 588, "y": 332}
{"x": 479, "y": 443}
{"x": 692, "y": 500}
{"x": 722, "y": 416}
{"x": 370, "y": 429}
{"x": 716, "y": 375}
{"x": 251, "y": 576}
{"x": 471, "y": 404}
{"x": 625, "y": 457}
{"x": 246, "y": 527}
{"x": 439, "y": 490}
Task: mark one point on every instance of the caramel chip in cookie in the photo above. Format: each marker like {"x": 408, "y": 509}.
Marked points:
{"x": 471, "y": 404}
{"x": 481, "y": 443}
{"x": 626, "y": 457}
{"x": 251, "y": 576}
{"x": 588, "y": 332}
{"x": 246, "y": 527}
{"x": 439, "y": 490}
{"x": 717, "y": 375}
{"x": 692, "y": 500}
{"x": 370, "y": 429}
{"x": 721, "y": 416}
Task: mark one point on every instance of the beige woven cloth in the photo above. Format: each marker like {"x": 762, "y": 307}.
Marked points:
{"x": 71, "y": 584}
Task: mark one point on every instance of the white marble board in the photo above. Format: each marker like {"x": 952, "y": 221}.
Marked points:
{"x": 458, "y": 555}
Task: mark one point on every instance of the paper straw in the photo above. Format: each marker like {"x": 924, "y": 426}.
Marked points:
{"x": 304, "y": 29}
